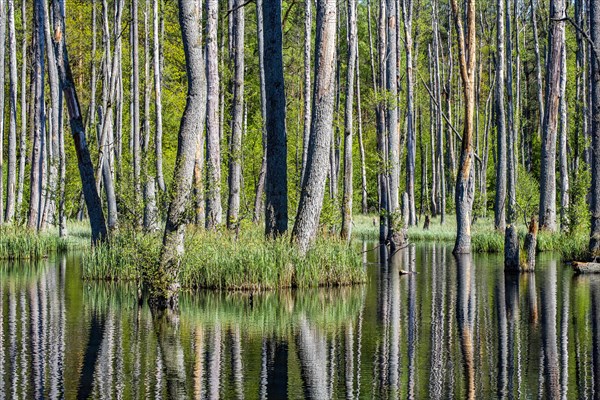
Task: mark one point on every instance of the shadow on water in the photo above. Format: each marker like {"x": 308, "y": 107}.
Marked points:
{"x": 454, "y": 327}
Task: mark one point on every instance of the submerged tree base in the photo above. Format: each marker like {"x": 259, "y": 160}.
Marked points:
{"x": 229, "y": 261}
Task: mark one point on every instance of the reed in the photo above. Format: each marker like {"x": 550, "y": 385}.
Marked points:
{"x": 18, "y": 242}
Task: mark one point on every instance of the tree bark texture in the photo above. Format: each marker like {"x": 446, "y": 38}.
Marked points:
{"x": 594, "y": 14}
{"x": 11, "y": 180}
{"x": 500, "y": 198}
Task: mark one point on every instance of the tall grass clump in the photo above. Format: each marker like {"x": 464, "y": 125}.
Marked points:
{"x": 19, "y": 242}
{"x": 230, "y": 261}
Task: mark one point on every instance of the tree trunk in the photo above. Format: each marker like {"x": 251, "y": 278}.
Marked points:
{"x": 307, "y": 97}
{"x": 23, "y": 137}
{"x": 346, "y": 230}
{"x": 382, "y": 148}
{"x": 500, "y": 199}
{"x": 165, "y": 286}
{"x": 411, "y": 143}
{"x": 311, "y": 198}
{"x": 150, "y": 211}
{"x": 465, "y": 180}
{"x": 260, "y": 186}
{"x": 39, "y": 118}
{"x": 158, "y": 96}
{"x": 361, "y": 146}
{"x": 84, "y": 162}
{"x": 562, "y": 148}
{"x": 237, "y": 116}
{"x": 392, "y": 109}
{"x": 56, "y": 122}
{"x": 441, "y": 172}
{"x": 11, "y": 180}
{"x": 538, "y": 70}
{"x": 276, "y": 212}
{"x": 213, "y": 144}
{"x": 135, "y": 95}
{"x": 556, "y": 34}
{"x": 511, "y": 136}
{"x": 2, "y": 78}
{"x": 594, "y": 17}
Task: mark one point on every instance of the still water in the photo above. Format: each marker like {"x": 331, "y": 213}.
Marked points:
{"x": 457, "y": 328}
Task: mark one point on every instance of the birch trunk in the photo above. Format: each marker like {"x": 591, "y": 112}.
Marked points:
{"x": 500, "y": 198}
{"x": 158, "y": 97}
{"x": 260, "y": 186}
{"x": 23, "y": 136}
{"x": 213, "y": 144}
{"x": 313, "y": 189}
{"x": 562, "y": 148}
{"x": 465, "y": 180}
{"x": 2, "y": 100}
{"x": 392, "y": 109}
{"x": 237, "y": 117}
{"x": 346, "y": 230}
{"x": 547, "y": 215}
{"x": 165, "y": 287}
{"x": 11, "y": 180}
{"x": 594, "y": 17}
{"x": 411, "y": 140}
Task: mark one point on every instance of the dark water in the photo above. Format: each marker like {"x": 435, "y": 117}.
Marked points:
{"x": 458, "y": 328}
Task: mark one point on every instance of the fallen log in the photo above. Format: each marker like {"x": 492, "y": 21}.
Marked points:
{"x": 586, "y": 267}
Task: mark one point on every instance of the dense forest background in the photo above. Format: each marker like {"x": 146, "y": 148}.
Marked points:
{"x": 97, "y": 34}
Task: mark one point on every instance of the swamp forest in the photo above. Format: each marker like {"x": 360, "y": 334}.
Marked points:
{"x": 299, "y": 199}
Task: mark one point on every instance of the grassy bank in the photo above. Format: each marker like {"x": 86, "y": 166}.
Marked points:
{"x": 224, "y": 260}
{"x": 484, "y": 239}
{"x": 18, "y": 242}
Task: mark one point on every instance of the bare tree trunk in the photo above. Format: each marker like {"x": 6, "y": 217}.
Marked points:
{"x": 361, "y": 146}
{"x": 540, "y": 90}
{"x": 511, "y": 139}
{"x": 411, "y": 143}
{"x": 11, "y": 179}
{"x": 23, "y": 137}
{"x": 150, "y": 211}
{"x": 382, "y": 147}
{"x": 165, "y": 288}
{"x": 2, "y": 78}
{"x": 313, "y": 190}
{"x": 56, "y": 122}
{"x": 392, "y": 109}
{"x": 39, "y": 118}
{"x": 136, "y": 133}
{"x": 307, "y": 95}
{"x": 260, "y": 186}
{"x": 465, "y": 180}
{"x": 594, "y": 17}
{"x": 276, "y": 211}
{"x": 547, "y": 216}
{"x": 213, "y": 144}
{"x": 441, "y": 172}
{"x": 158, "y": 97}
{"x": 237, "y": 116}
{"x": 86, "y": 169}
{"x": 562, "y": 149}
{"x": 500, "y": 199}
{"x": 346, "y": 230}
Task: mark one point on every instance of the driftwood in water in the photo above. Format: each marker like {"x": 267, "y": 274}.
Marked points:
{"x": 586, "y": 267}
{"x": 511, "y": 249}
{"x": 530, "y": 245}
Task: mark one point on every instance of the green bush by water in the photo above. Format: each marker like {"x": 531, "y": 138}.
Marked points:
{"x": 224, "y": 260}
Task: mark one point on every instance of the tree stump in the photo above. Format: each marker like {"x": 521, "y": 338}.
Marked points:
{"x": 530, "y": 245}
{"x": 427, "y": 222}
{"x": 511, "y": 249}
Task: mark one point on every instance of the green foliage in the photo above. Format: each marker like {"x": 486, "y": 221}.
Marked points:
{"x": 528, "y": 196}
{"x": 579, "y": 213}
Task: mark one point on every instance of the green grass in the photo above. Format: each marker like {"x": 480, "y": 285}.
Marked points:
{"x": 18, "y": 242}
{"x": 484, "y": 238}
{"x": 222, "y": 260}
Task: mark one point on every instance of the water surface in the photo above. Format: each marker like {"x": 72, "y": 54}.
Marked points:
{"x": 457, "y": 328}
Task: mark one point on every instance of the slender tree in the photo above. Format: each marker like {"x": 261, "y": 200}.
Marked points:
{"x": 276, "y": 211}
{"x": 2, "y": 99}
{"x": 411, "y": 139}
{"x": 11, "y": 180}
{"x": 500, "y": 199}
{"x": 349, "y": 121}
{"x": 23, "y": 135}
{"x": 237, "y": 118}
{"x": 594, "y": 18}
{"x": 547, "y": 215}
{"x": 260, "y": 186}
{"x": 165, "y": 286}
{"x": 84, "y": 162}
{"x": 562, "y": 148}
{"x": 465, "y": 180}
{"x": 313, "y": 188}
{"x": 392, "y": 108}
{"x": 306, "y": 94}
{"x": 156, "y": 66}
